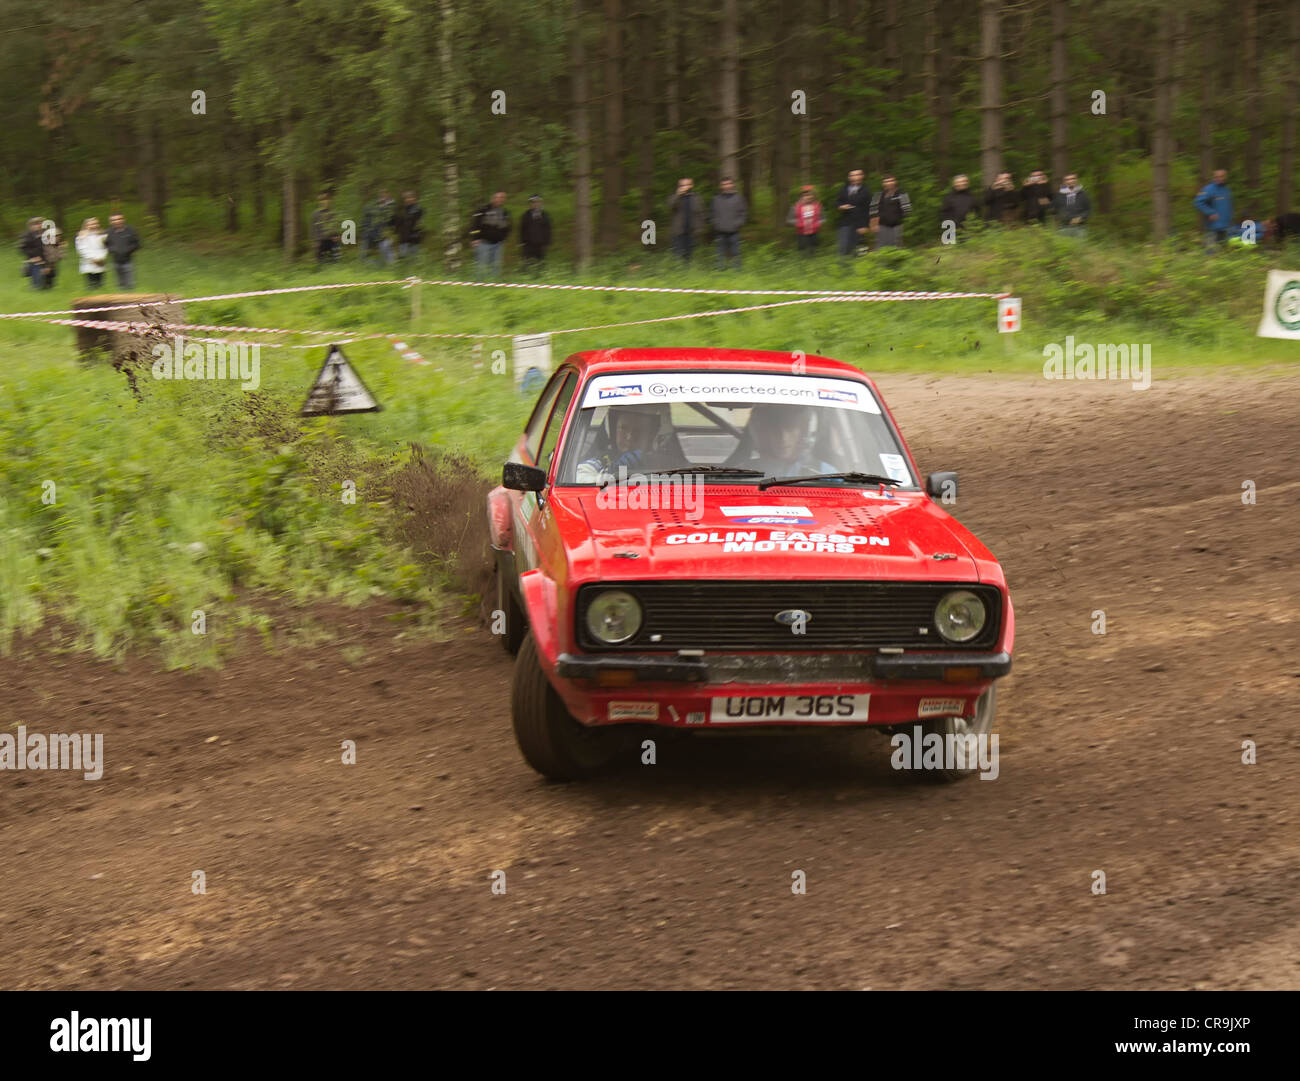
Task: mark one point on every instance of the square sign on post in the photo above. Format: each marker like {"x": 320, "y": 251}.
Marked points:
{"x": 1008, "y": 315}
{"x": 532, "y": 361}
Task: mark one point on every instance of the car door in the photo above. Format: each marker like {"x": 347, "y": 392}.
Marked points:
{"x": 537, "y": 447}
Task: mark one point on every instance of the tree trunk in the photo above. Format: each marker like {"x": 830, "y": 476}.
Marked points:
{"x": 259, "y": 193}
{"x": 672, "y": 84}
{"x": 893, "y": 51}
{"x": 1254, "y": 116}
{"x": 1060, "y": 90}
{"x": 1290, "y": 104}
{"x": 451, "y": 227}
{"x": 611, "y": 184}
{"x": 1205, "y": 134}
{"x": 289, "y": 192}
{"x": 990, "y": 89}
{"x": 729, "y": 90}
{"x": 1162, "y": 133}
{"x": 944, "y": 15}
{"x": 646, "y": 119}
{"x": 582, "y": 238}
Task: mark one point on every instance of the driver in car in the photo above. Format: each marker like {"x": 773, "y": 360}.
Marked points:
{"x": 631, "y": 446}
{"x": 782, "y": 437}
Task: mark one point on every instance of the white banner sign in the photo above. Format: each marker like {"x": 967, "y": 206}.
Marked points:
{"x": 1281, "y": 306}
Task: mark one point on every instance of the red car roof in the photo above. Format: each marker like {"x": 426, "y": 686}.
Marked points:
{"x": 599, "y": 361}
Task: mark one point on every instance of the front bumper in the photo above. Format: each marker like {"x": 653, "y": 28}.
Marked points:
{"x": 680, "y": 690}
{"x": 782, "y": 667}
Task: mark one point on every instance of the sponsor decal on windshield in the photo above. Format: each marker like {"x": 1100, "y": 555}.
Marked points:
{"x": 731, "y": 387}
{"x": 896, "y": 468}
{"x": 626, "y": 390}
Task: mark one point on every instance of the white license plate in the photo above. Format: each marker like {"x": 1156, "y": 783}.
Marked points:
{"x": 812, "y": 708}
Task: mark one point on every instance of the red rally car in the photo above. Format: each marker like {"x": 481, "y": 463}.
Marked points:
{"x": 726, "y": 538}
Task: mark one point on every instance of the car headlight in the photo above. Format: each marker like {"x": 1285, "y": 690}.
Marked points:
{"x": 960, "y": 615}
{"x": 614, "y": 617}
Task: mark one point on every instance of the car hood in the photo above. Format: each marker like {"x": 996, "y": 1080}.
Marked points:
{"x": 744, "y": 533}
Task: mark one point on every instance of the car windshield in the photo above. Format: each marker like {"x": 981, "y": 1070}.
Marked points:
{"x": 731, "y": 427}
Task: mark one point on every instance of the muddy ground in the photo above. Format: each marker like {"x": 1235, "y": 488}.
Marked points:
{"x": 1120, "y": 753}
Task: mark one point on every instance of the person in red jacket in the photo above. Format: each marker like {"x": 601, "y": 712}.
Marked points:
{"x": 806, "y": 217}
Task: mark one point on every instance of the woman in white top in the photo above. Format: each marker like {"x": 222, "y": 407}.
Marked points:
{"x": 92, "y": 247}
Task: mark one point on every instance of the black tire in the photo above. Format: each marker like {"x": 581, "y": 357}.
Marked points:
{"x": 551, "y": 741}
{"x": 516, "y": 625}
{"x": 981, "y": 724}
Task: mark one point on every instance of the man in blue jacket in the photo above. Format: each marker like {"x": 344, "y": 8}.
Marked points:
{"x": 1215, "y": 204}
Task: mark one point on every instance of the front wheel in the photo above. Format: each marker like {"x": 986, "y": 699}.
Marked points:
{"x": 980, "y": 725}
{"x": 552, "y": 742}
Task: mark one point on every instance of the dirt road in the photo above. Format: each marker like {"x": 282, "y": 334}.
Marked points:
{"x": 1119, "y": 753}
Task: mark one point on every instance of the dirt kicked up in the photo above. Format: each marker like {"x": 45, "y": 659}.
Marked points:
{"x": 1121, "y": 753}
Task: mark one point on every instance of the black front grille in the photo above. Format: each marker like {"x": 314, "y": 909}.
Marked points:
{"x": 742, "y": 615}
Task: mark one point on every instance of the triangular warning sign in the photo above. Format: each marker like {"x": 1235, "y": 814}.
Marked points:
{"x": 338, "y": 389}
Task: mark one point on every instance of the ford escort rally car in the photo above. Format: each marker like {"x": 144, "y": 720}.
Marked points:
{"x": 722, "y": 539}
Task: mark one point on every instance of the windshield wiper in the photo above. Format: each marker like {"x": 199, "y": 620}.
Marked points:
{"x": 861, "y": 478}
{"x": 716, "y": 470}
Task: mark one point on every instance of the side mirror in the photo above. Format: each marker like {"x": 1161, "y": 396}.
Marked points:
{"x": 941, "y": 486}
{"x": 522, "y": 478}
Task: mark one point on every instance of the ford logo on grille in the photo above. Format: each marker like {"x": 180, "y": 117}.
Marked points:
{"x": 792, "y": 616}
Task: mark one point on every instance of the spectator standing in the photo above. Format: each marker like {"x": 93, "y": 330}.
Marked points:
{"x": 888, "y": 209}
{"x": 1002, "y": 201}
{"x": 92, "y": 251}
{"x": 1072, "y": 207}
{"x": 325, "y": 229}
{"x": 1283, "y": 226}
{"x": 958, "y": 204}
{"x": 123, "y": 243}
{"x": 488, "y": 231}
{"x": 1215, "y": 204}
{"x": 854, "y": 204}
{"x": 535, "y": 233}
{"x": 728, "y": 214}
{"x": 806, "y": 217}
{"x": 407, "y": 225}
{"x": 1037, "y": 196}
{"x": 686, "y": 218}
{"x": 377, "y": 226}
{"x": 32, "y": 247}
{"x": 54, "y": 252}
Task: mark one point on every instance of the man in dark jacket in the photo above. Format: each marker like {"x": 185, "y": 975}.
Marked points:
{"x": 33, "y": 250}
{"x": 535, "y": 233}
{"x": 377, "y": 227}
{"x": 123, "y": 243}
{"x": 854, "y": 204}
{"x": 1037, "y": 196}
{"x": 888, "y": 209}
{"x": 686, "y": 218}
{"x": 1072, "y": 207}
{"x": 958, "y": 205}
{"x": 1002, "y": 201}
{"x": 488, "y": 231}
{"x": 324, "y": 229}
{"x": 407, "y": 225}
{"x": 1283, "y": 226}
{"x": 727, "y": 213}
